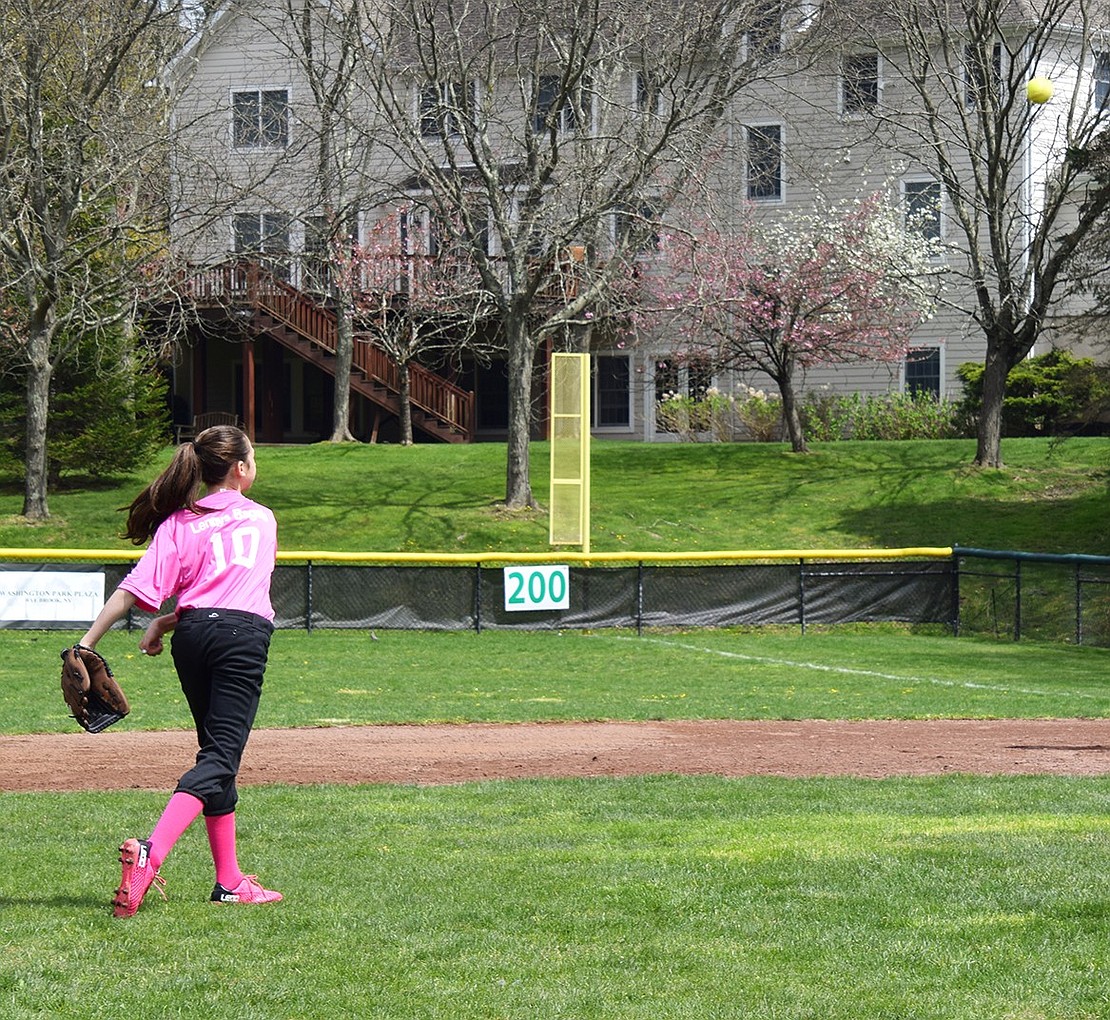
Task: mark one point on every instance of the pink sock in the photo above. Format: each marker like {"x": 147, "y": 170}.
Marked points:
{"x": 221, "y": 838}
{"x": 178, "y": 816}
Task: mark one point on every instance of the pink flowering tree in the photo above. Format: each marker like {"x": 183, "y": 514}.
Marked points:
{"x": 842, "y": 285}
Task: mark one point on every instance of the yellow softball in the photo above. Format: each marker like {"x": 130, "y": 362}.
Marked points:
{"x": 1039, "y": 90}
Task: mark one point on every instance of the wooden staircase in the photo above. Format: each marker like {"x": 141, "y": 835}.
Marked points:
{"x": 440, "y": 409}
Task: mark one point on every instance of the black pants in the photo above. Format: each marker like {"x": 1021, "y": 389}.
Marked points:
{"x": 220, "y": 656}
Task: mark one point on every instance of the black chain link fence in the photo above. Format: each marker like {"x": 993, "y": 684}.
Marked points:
{"x": 454, "y": 598}
{"x": 1008, "y": 595}
{"x": 1039, "y": 596}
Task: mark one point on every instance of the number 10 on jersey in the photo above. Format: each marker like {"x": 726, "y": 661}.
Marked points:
{"x": 544, "y": 587}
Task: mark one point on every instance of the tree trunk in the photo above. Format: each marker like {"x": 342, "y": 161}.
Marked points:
{"x": 344, "y": 351}
{"x": 988, "y": 450}
{"x": 518, "y": 485}
{"x": 405, "y": 397}
{"x": 791, "y": 417}
{"x": 35, "y": 480}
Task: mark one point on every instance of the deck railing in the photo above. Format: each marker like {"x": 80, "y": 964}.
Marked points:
{"x": 260, "y": 287}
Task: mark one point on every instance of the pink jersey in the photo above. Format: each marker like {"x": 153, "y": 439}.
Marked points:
{"x": 218, "y": 560}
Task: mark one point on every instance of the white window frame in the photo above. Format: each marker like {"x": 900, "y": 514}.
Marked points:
{"x": 446, "y": 116}
{"x": 261, "y": 215}
{"x": 972, "y": 87}
{"x": 595, "y": 401}
{"x": 647, "y": 87}
{"x": 646, "y": 212}
{"x": 748, "y": 176}
{"x": 940, "y": 349}
{"x": 420, "y": 230}
{"x": 772, "y": 45}
{"x": 260, "y": 145}
{"x": 277, "y": 259}
{"x": 1100, "y": 80}
{"x": 683, "y": 383}
{"x": 568, "y": 113}
{"x": 421, "y": 233}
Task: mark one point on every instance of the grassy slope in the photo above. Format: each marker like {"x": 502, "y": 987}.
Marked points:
{"x": 1049, "y": 498}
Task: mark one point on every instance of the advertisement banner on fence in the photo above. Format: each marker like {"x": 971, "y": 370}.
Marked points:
{"x": 50, "y": 596}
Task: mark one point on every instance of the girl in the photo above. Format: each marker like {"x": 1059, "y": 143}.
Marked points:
{"x": 216, "y": 553}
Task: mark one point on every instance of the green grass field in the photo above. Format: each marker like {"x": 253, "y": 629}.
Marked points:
{"x": 328, "y": 678}
{"x": 955, "y": 898}
{"x": 950, "y": 898}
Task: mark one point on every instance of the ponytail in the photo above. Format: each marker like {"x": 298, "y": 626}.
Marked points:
{"x": 206, "y": 460}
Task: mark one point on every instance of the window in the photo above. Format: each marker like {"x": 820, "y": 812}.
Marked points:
{"x": 922, "y": 201}
{"x": 264, "y": 233}
{"x": 316, "y": 269}
{"x": 422, "y": 231}
{"x": 859, "y": 84}
{"x": 317, "y": 262}
{"x": 764, "y": 38}
{"x": 612, "y": 391}
{"x": 260, "y": 119}
{"x": 637, "y": 228}
{"x": 551, "y": 90}
{"x": 443, "y": 108}
{"x": 691, "y": 378}
{"x": 666, "y": 386}
{"x": 923, "y": 371}
{"x": 699, "y": 378}
{"x": 765, "y": 162}
{"x": 1101, "y": 76}
{"x": 982, "y": 75}
{"x": 649, "y": 92}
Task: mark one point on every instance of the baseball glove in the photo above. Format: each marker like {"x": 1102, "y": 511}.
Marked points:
{"x": 90, "y": 689}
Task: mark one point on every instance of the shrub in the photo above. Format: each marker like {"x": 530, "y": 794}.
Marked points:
{"x": 1048, "y": 395}
{"x": 832, "y": 417}
{"x": 760, "y": 415}
{"x": 711, "y": 417}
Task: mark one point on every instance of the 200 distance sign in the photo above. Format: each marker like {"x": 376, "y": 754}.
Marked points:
{"x": 528, "y": 588}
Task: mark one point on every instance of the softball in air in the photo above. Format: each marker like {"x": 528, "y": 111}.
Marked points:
{"x": 1039, "y": 90}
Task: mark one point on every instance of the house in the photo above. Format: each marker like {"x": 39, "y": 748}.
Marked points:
{"x": 832, "y": 113}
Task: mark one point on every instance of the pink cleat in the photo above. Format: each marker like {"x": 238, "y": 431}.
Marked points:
{"x": 138, "y": 876}
{"x": 247, "y": 891}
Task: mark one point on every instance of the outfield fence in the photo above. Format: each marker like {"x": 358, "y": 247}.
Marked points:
{"x": 970, "y": 591}
{"x": 1042, "y": 596}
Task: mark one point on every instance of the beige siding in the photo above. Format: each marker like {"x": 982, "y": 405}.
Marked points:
{"x": 825, "y": 152}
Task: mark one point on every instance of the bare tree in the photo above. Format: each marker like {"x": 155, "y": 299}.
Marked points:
{"x": 327, "y": 44}
{"x": 1017, "y": 204}
{"x": 548, "y": 140}
{"x": 414, "y": 306}
{"x": 82, "y": 142}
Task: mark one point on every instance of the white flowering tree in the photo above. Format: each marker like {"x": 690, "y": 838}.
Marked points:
{"x": 846, "y": 284}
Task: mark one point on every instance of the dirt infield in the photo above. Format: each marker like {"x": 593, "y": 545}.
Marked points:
{"x": 477, "y": 751}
